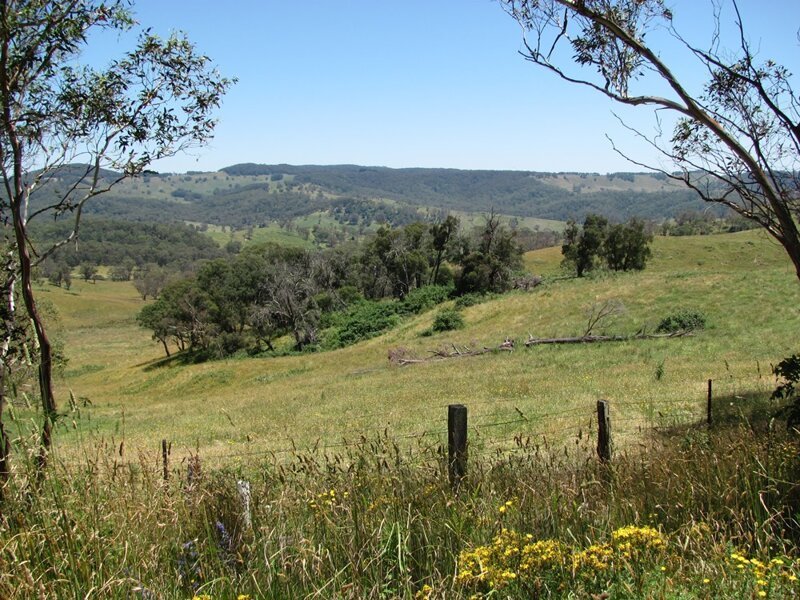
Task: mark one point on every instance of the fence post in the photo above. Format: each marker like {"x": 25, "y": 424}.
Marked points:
{"x": 165, "y": 459}
{"x": 243, "y": 487}
{"x": 603, "y": 431}
{"x": 708, "y": 405}
{"x": 456, "y": 443}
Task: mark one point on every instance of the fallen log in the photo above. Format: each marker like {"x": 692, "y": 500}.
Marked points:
{"x": 590, "y": 339}
{"x": 400, "y": 356}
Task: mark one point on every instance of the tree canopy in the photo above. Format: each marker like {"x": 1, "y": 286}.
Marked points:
{"x": 153, "y": 101}
{"x": 736, "y": 140}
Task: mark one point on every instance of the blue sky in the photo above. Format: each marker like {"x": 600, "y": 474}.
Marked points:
{"x": 408, "y": 83}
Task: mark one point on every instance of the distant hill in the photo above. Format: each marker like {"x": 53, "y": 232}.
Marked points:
{"x": 112, "y": 242}
{"x": 352, "y": 197}
{"x": 557, "y": 196}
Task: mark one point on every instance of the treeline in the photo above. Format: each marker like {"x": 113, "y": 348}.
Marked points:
{"x": 519, "y": 193}
{"x": 328, "y": 298}
{"x": 353, "y": 193}
{"x": 113, "y": 242}
{"x": 253, "y": 205}
{"x": 703, "y": 223}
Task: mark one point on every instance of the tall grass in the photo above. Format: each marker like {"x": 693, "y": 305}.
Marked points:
{"x": 377, "y": 520}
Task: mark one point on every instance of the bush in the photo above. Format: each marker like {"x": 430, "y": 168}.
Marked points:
{"x": 686, "y": 319}
{"x": 361, "y": 322}
{"x": 472, "y": 299}
{"x": 421, "y": 299}
{"x": 226, "y": 344}
{"x": 447, "y": 320}
{"x": 789, "y": 370}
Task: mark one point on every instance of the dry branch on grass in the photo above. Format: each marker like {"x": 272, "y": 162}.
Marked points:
{"x": 402, "y": 356}
{"x": 589, "y": 339}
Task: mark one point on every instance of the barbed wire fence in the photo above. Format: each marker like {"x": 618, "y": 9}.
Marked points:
{"x": 496, "y": 432}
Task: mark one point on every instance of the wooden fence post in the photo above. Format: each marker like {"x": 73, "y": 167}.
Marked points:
{"x": 708, "y": 405}
{"x": 243, "y": 487}
{"x": 165, "y": 459}
{"x": 603, "y": 431}
{"x": 456, "y": 443}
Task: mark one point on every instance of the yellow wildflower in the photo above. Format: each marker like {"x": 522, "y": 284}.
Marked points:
{"x": 424, "y": 593}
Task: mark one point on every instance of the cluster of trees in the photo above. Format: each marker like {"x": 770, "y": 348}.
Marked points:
{"x": 703, "y": 223}
{"x": 116, "y": 242}
{"x": 267, "y": 291}
{"x": 736, "y": 135}
{"x": 619, "y": 247}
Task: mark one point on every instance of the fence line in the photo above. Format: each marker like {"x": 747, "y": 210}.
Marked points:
{"x": 530, "y": 426}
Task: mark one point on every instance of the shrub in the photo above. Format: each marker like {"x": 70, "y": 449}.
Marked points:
{"x": 447, "y": 320}
{"x": 789, "y": 370}
{"x": 472, "y": 299}
{"x": 421, "y": 299}
{"x": 226, "y": 344}
{"x": 361, "y": 322}
{"x": 686, "y": 319}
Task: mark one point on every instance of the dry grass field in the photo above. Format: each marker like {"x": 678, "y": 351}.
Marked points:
{"x": 742, "y": 282}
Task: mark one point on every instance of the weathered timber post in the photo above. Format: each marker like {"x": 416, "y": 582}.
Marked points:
{"x": 165, "y": 459}
{"x": 708, "y": 404}
{"x": 603, "y": 431}
{"x": 243, "y": 487}
{"x": 456, "y": 443}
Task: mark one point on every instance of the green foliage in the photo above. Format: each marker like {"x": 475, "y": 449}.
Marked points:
{"x": 685, "y": 319}
{"x": 88, "y": 271}
{"x": 789, "y": 370}
{"x": 472, "y": 299}
{"x": 448, "y": 320}
{"x": 622, "y": 247}
{"x": 362, "y": 321}
{"x": 350, "y": 199}
{"x": 627, "y": 247}
{"x": 522, "y": 193}
{"x": 114, "y": 242}
{"x": 57, "y": 272}
{"x": 489, "y": 261}
{"x": 423, "y": 298}
{"x": 704, "y": 223}
{"x": 590, "y": 243}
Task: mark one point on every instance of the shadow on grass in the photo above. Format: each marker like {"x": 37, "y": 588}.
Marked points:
{"x": 180, "y": 359}
{"x": 754, "y": 410}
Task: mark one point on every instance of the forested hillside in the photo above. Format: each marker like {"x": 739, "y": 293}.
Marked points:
{"x": 110, "y": 242}
{"x": 251, "y": 195}
{"x": 557, "y": 196}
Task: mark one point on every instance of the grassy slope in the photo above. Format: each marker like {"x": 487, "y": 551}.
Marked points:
{"x": 272, "y": 233}
{"x": 742, "y": 282}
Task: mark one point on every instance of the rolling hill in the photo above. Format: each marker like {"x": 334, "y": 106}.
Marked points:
{"x": 250, "y": 195}
{"x": 742, "y": 282}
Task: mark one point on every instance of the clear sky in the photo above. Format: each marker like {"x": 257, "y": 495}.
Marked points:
{"x": 408, "y": 83}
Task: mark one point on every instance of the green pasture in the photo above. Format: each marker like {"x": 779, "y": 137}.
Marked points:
{"x": 477, "y": 219}
{"x": 229, "y": 408}
{"x": 162, "y": 187}
{"x": 271, "y": 233}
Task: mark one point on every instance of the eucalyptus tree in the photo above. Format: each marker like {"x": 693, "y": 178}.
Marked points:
{"x": 736, "y": 138}
{"x": 70, "y": 131}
